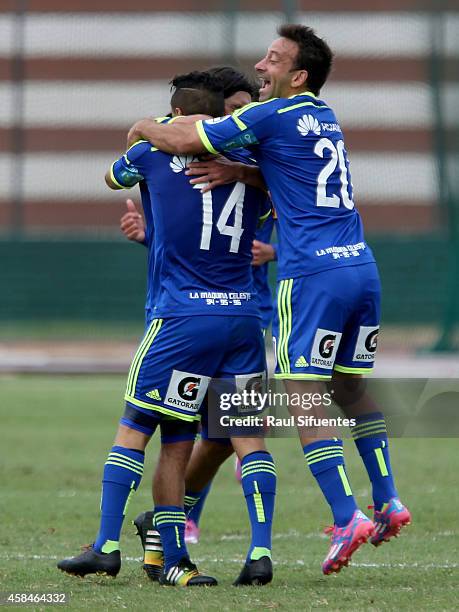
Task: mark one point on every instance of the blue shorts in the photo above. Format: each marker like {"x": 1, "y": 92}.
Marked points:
{"x": 327, "y": 321}
{"x": 177, "y": 359}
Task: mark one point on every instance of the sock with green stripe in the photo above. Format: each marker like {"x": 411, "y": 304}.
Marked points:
{"x": 259, "y": 486}
{"x": 122, "y": 475}
{"x": 194, "y": 503}
{"x": 370, "y": 437}
{"x": 326, "y": 462}
{"x": 170, "y": 522}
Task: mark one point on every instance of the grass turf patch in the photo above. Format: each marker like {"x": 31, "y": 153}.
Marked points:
{"x": 56, "y": 435}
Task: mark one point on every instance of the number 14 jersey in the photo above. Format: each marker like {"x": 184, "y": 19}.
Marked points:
{"x": 202, "y": 242}
{"x": 299, "y": 147}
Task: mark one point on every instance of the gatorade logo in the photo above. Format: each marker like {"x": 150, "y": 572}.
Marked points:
{"x": 371, "y": 343}
{"x": 324, "y": 348}
{"x": 186, "y": 391}
{"x": 366, "y": 345}
{"x": 188, "y": 388}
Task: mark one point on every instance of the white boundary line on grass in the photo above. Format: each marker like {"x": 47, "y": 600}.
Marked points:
{"x": 300, "y": 562}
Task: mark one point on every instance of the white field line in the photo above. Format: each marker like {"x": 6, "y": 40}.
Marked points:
{"x": 220, "y": 560}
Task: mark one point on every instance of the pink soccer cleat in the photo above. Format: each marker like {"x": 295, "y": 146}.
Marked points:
{"x": 192, "y": 532}
{"x": 345, "y": 541}
{"x": 389, "y": 521}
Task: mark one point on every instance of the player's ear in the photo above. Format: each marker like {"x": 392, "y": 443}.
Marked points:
{"x": 177, "y": 112}
{"x": 300, "y": 77}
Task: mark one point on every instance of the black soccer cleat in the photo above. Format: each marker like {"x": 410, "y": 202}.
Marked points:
{"x": 185, "y": 574}
{"x": 255, "y": 573}
{"x": 153, "y": 560}
{"x": 92, "y": 562}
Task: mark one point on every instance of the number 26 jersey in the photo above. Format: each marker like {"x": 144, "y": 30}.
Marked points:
{"x": 299, "y": 147}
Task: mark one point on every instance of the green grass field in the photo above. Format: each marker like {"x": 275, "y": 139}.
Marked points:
{"x": 55, "y": 436}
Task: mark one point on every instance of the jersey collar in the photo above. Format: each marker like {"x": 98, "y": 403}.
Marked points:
{"x": 304, "y": 93}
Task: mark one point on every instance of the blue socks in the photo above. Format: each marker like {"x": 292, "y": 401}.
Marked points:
{"x": 326, "y": 462}
{"x": 259, "y": 486}
{"x": 370, "y": 436}
{"x": 122, "y": 475}
{"x": 194, "y": 503}
{"x": 170, "y": 522}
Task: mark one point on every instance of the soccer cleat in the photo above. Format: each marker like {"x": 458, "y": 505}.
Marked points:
{"x": 192, "y": 532}
{"x": 345, "y": 541}
{"x": 255, "y": 573}
{"x": 185, "y": 574}
{"x": 92, "y": 562}
{"x": 153, "y": 560}
{"x": 389, "y": 521}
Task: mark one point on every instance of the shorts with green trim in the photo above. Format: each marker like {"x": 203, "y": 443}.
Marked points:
{"x": 179, "y": 357}
{"x": 327, "y": 321}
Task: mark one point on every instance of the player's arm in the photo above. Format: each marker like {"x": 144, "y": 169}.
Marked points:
{"x": 263, "y": 250}
{"x": 262, "y": 253}
{"x": 251, "y": 125}
{"x": 132, "y": 224}
{"x": 221, "y": 171}
{"x": 128, "y": 170}
{"x": 179, "y": 136}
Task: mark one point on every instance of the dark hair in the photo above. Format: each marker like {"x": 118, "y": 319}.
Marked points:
{"x": 198, "y": 92}
{"x": 233, "y": 80}
{"x": 314, "y": 55}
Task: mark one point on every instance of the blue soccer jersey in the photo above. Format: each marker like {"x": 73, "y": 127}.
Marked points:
{"x": 148, "y": 242}
{"x": 261, "y": 277}
{"x": 202, "y": 242}
{"x": 299, "y": 147}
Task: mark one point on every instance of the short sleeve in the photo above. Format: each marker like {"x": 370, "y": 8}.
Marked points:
{"x": 250, "y": 125}
{"x": 266, "y": 210}
{"x": 126, "y": 171}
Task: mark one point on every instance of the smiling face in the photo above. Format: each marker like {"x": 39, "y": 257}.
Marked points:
{"x": 277, "y": 71}
{"x": 237, "y": 100}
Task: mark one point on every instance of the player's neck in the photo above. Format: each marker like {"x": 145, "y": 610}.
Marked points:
{"x": 303, "y": 92}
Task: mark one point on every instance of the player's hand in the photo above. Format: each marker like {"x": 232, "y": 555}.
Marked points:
{"x": 131, "y": 223}
{"x": 136, "y": 131}
{"x": 262, "y": 253}
{"x": 214, "y": 172}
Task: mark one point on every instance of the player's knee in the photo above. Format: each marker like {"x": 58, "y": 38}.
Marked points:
{"x": 245, "y": 446}
{"x": 131, "y": 438}
{"x": 346, "y": 389}
{"x": 215, "y": 451}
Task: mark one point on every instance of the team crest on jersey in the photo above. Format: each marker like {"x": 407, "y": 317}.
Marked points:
{"x": 308, "y": 123}
{"x": 180, "y": 162}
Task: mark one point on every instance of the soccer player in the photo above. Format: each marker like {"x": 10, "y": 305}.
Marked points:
{"x": 206, "y": 452}
{"x": 205, "y": 325}
{"x": 209, "y": 454}
{"x": 328, "y": 286}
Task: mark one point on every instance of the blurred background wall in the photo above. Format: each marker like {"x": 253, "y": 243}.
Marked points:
{"x": 74, "y": 76}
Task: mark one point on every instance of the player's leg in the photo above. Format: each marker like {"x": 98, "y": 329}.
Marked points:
{"x": 121, "y": 478}
{"x": 308, "y": 326}
{"x": 176, "y": 436}
{"x": 122, "y": 474}
{"x": 172, "y": 383}
{"x": 169, "y": 513}
{"x": 194, "y": 505}
{"x": 207, "y": 457}
{"x": 258, "y": 482}
{"x": 247, "y": 358}
{"x": 355, "y": 359}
